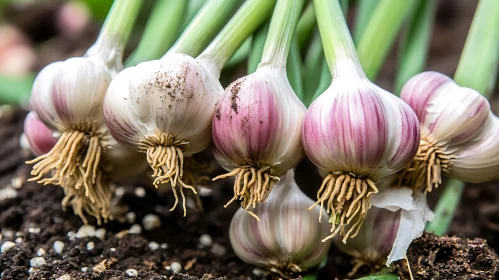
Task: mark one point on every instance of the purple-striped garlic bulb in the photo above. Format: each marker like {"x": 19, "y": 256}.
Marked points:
{"x": 287, "y": 239}
{"x": 256, "y": 131}
{"x": 41, "y": 139}
{"x": 395, "y": 220}
{"x": 452, "y": 118}
{"x": 257, "y": 122}
{"x": 356, "y": 133}
{"x": 479, "y": 162}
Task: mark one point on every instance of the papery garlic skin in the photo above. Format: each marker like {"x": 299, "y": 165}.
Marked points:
{"x": 479, "y": 162}
{"x": 358, "y": 135}
{"x": 375, "y": 240}
{"x": 395, "y": 220}
{"x": 287, "y": 237}
{"x": 162, "y": 108}
{"x": 256, "y": 130}
{"x": 40, "y": 138}
{"x": 452, "y": 118}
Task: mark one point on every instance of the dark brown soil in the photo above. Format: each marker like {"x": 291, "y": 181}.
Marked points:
{"x": 431, "y": 257}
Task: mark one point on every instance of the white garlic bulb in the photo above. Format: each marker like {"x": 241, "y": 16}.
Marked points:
{"x": 287, "y": 239}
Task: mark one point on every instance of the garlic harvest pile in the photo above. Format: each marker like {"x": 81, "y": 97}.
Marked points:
{"x": 395, "y": 220}
{"x": 40, "y": 138}
{"x": 287, "y": 239}
{"x": 452, "y": 118}
{"x": 164, "y": 108}
{"x": 256, "y": 128}
{"x": 67, "y": 96}
{"x": 355, "y": 132}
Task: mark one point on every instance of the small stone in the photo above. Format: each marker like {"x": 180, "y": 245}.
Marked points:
{"x": 113, "y": 249}
{"x": 176, "y": 266}
{"x": 130, "y": 217}
{"x": 58, "y": 246}
{"x": 140, "y": 192}
{"x": 218, "y": 249}
{"x": 40, "y": 252}
{"x": 100, "y": 233}
{"x": 90, "y": 246}
{"x": 164, "y": 245}
{"x": 37, "y": 262}
{"x": 71, "y": 235}
{"x": 16, "y": 182}
{"x": 7, "y": 245}
{"x": 34, "y": 230}
{"x": 85, "y": 231}
{"x": 205, "y": 191}
{"x": 132, "y": 273}
{"x": 205, "y": 240}
{"x": 153, "y": 246}
{"x": 120, "y": 191}
{"x": 84, "y": 269}
{"x": 24, "y": 143}
{"x": 32, "y": 270}
{"x": 64, "y": 277}
{"x": 258, "y": 272}
{"x": 19, "y": 240}
{"x": 189, "y": 202}
{"x": 7, "y": 193}
{"x": 151, "y": 221}
{"x": 135, "y": 229}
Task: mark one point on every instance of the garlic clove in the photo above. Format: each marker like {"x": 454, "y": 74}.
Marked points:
{"x": 287, "y": 237}
{"x": 40, "y": 138}
{"x": 256, "y": 132}
{"x": 479, "y": 162}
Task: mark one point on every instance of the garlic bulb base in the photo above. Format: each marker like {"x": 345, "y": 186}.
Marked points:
{"x": 166, "y": 158}
{"x": 425, "y": 171}
{"x": 252, "y": 185}
{"x": 75, "y": 162}
{"x": 348, "y": 199}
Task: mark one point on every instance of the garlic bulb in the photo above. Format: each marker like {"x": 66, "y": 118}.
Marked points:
{"x": 40, "y": 138}
{"x": 67, "y": 96}
{"x": 394, "y": 221}
{"x": 479, "y": 162}
{"x": 356, "y": 133}
{"x": 256, "y": 131}
{"x": 163, "y": 108}
{"x": 256, "y": 128}
{"x": 287, "y": 239}
{"x": 452, "y": 118}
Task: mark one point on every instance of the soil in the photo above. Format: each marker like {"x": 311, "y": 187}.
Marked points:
{"x": 431, "y": 257}
{"x": 31, "y": 215}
